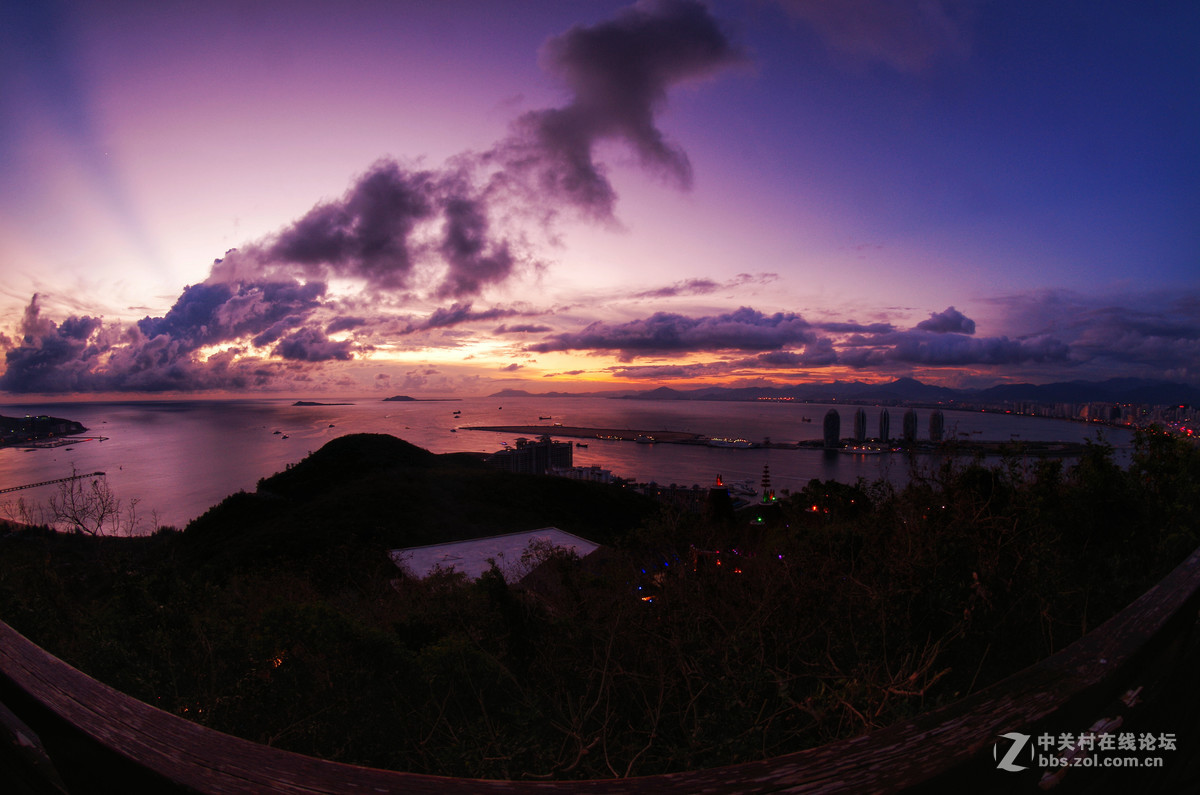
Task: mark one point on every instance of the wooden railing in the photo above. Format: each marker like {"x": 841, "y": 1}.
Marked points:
{"x": 66, "y": 732}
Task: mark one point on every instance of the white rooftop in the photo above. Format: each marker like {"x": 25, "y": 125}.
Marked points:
{"x": 473, "y": 557}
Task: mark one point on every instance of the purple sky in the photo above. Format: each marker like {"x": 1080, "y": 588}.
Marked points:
{"x": 457, "y": 197}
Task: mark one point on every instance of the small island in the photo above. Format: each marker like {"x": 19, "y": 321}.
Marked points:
{"x": 314, "y": 403}
{"x": 42, "y": 429}
{"x": 407, "y": 399}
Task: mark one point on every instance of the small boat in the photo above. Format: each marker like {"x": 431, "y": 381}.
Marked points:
{"x": 723, "y": 442}
{"x": 857, "y": 450}
{"x": 276, "y": 433}
{"x": 580, "y": 444}
{"x": 744, "y": 489}
{"x": 545, "y": 418}
{"x": 284, "y": 436}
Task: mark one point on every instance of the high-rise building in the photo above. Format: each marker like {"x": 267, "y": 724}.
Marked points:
{"x": 833, "y": 429}
{"x": 860, "y": 425}
{"x": 535, "y": 458}
{"x": 937, "y": 426}
{"x": 885, "y": 422}
{"x": 910, "y": 426}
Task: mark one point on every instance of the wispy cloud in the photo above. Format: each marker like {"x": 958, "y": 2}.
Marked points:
{"x": 904, "y": 35}
{"x": 702, "y": 286}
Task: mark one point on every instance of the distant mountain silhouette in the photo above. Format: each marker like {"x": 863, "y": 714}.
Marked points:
{"x": 910, "y": 390}
{"x": 1114, "y": 390}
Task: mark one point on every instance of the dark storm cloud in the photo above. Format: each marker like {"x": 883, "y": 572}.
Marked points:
{"x": 50, "y": 357}
{"x": 818, "y": 353}
{"x": 786, "y": 341}
{"x": 33, "y": 325}
{"x": 310, "y": 345}
{"x": 663, "y": 332}
{"x": 444, "y": 317}
{"x": 208, "y": 314}
{"x": 366, "y": 234}
{"x": 521, "y": 328}
{"x": 619, "y": 73}
{"x": 1147, "y": 334}
{"x": 276, "y": 330}
{"x": 383, "y": 233}
{"x": 344, "y": 324}
{"x": 956, "y": 349}
{"x": 949, "y": 321}
{"x": 855, "y": 328}
{"x": 473, "y": 259}
{"x": 79, "y": 328}
{"x": 943, "y": 340}
{"x": 156, "y": 354}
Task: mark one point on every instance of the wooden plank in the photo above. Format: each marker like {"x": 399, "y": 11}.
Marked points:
{"x": 888, "y": 760}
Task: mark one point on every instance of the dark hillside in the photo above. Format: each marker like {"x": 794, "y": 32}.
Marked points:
{"x": 370, "y": 492}
{"x": 343, "y": 460}
{"x": 277, "y": 617}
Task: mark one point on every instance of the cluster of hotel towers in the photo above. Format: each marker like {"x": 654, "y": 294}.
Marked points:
{"x": 833, "y": 427}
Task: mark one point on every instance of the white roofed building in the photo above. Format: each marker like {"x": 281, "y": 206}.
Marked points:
{"x": 510, "y": 552}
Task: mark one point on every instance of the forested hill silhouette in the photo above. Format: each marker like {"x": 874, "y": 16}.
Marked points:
{"x": 370, "y": 492}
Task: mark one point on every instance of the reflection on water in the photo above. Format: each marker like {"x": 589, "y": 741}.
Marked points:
{"x": 178, "y": 458}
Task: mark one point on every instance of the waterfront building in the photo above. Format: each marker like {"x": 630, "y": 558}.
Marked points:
{"x": 513, "y": 553}
{"x": 535, "y": 458}
{"x": 937, "y": 426}
{"x": 884, "y": 426}
{"x": 592, "y": 474}
{"x": 910, "y": 426}
{"x": 860, "y": 426}
{"x": 833, "y": 429}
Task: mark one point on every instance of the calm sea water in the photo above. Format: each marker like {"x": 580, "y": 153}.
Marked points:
{"x": 178, "y": 458}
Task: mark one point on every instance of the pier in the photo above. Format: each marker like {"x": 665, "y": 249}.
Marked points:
{"x": 51, "y": 482}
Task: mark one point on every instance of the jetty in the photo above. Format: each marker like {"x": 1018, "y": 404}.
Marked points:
{"x": 578, "y": 432}
{"x": 51, "y": 482}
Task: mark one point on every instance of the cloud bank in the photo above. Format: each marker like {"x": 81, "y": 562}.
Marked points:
{"x": 400, "y": 236}
{"x": 791, "y": 346}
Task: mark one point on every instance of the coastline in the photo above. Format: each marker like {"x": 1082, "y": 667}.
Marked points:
{"x": 947, "y": 447}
